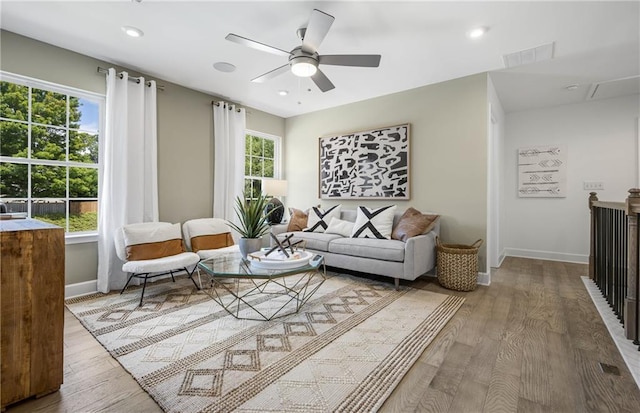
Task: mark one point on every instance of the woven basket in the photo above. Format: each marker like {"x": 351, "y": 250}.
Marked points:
{"x": 458, "y": 265}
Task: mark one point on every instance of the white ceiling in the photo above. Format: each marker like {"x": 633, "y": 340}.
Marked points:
{"x": 421, "y": 43}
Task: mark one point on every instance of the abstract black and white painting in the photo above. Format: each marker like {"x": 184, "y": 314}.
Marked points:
{"x": 542, "y": 171}
{"x": 371, "y": 164}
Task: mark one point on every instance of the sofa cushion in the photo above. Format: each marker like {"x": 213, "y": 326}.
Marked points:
{"x": 319, "y": 219}
{"x": 412, "y": 223}
{"x": 374, "y": 223}
{"x": 381, "y": 249}
{"x": 314, "y": 240}
{"x": 340, "y": 227}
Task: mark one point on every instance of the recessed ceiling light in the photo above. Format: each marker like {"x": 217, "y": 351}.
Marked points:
{"x": 224, "y": 67}
{"x": 283, "y": 92}
{"x": 571, "y": 88}
{"x": 477, "y": 32}
{"x": 132, "y": 31}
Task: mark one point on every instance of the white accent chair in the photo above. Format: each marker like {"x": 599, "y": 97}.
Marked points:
{"x": 152, "y": 236}
{"x": 212, "y": 232}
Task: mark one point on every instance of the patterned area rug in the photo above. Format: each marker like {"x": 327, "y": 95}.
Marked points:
{"x": 346, "y": 349}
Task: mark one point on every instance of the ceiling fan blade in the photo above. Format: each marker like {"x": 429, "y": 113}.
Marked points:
{"x": 319, "y": 24}
{"x": 256, "y": 45}
{"x": 322, "y": 81}
{"x": 361, "y": 60}
{"x": 270, "y": 75}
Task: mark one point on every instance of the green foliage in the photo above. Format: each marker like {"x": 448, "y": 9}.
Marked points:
{"x": 259, "y": 155}
{"x": 87, "y": 221}
{"x": 48, "y": 142}
{"x": 250, "y": 212}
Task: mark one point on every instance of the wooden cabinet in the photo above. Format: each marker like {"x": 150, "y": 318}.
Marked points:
{"x": 32, "y": 308}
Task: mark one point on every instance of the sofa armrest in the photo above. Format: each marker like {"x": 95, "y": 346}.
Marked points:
{"x": 275, "y": 230}
{"x": 279, "y": 228}
{"x": 419, "y": 255}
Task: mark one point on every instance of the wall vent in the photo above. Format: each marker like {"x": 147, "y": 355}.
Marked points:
{"x": 525, "y": 57}
{"x": 613, "y": 88}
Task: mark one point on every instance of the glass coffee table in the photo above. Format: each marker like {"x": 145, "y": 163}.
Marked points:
{"x": 248, "y": 291}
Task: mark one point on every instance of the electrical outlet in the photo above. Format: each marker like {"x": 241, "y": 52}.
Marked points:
{"x": 593, "y": 185}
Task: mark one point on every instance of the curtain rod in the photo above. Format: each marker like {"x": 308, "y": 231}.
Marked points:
{"x": 213, "y": 102}
{"x": 131, "y": 78}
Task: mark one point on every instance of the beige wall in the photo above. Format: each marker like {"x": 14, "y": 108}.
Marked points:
{"x": 448, "y": 152}
{"x": 185, "y": 133}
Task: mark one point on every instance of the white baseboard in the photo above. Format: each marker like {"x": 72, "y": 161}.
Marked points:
{"x": 501, "y": 257}
{"x": 78, "y": 289}
{"x": 547, "y": 255}
{"x": 484, "y": 278}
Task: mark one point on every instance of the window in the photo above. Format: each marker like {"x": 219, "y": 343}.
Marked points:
{"x": 262, "y": 160}
{"x": 49, "y": 137}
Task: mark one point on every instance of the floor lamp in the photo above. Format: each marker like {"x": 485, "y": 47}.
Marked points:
{"x": 274, "y": 188}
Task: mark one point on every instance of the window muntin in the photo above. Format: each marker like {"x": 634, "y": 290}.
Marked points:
{"x": 49, "y": 137}
{"x": 262, "y": 160}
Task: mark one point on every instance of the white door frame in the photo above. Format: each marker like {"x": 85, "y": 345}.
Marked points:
{"x": 493, "y": 190}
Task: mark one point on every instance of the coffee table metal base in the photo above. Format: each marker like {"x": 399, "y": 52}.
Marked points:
{"x": 262, "y": 298}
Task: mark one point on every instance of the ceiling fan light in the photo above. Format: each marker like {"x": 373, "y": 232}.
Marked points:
{"x": 303, "y": 66}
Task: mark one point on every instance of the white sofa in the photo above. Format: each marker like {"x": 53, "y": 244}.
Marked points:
{"x": 391, "y": 258}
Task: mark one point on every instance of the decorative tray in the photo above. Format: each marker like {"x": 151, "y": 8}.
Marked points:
{"x": 277, "y": 260}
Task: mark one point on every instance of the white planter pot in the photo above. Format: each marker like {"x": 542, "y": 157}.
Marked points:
{"x": 249, "y": 245}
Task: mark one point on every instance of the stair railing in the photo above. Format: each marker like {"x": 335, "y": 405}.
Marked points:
{"x": 613, "y": 257}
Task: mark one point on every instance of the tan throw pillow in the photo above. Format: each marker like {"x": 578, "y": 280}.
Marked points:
{"x": 298, "y": 220}
{"x": 211, "y": 242}
{"x": 149, "y": 244}
{"x": 412, "y": 223}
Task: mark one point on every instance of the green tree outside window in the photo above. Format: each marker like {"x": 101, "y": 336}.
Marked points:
{"x": 260, "y": 162}
{"x": 49, "y": 151}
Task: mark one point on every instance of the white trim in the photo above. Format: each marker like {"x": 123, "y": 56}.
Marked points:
{"x": 493, "y": 192}
{"x": 547, "y": 255}
{"x": 79, "y": 289}
{"x": 54, "y": 87}
{"x": 501, "y": 258}
{"x": 484, "y": 278}
{"x": 277, "y": 155}
{"x": 80, "y": 238}
{"x": 628, "y": 350}
{"x": 638, "y": 152}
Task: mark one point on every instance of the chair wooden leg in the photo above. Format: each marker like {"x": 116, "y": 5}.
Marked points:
{"x": 127, "y": 284}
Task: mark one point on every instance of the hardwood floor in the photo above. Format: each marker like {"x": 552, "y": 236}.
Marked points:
{"x": 531, "y": 342}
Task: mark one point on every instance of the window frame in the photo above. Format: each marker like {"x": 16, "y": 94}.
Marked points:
{"x": 97, "y": 98}
{"x": 277, "y": 153}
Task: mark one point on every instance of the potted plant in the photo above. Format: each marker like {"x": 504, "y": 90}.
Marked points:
{"x": 253, "y": 222}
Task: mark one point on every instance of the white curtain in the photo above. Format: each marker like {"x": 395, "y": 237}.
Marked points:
{"x": 128, "y": 174}
{"x": 228, "y": 179}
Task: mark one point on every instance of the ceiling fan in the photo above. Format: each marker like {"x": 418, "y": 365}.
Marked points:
{"x": 304, "y": 59}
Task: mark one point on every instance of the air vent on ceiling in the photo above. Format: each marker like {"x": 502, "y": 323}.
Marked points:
{"x": 613, "y": 88}
{"x": 525, "y": 57}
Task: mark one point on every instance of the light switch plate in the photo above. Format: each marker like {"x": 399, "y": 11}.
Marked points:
{"x": 593, "y": 185}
